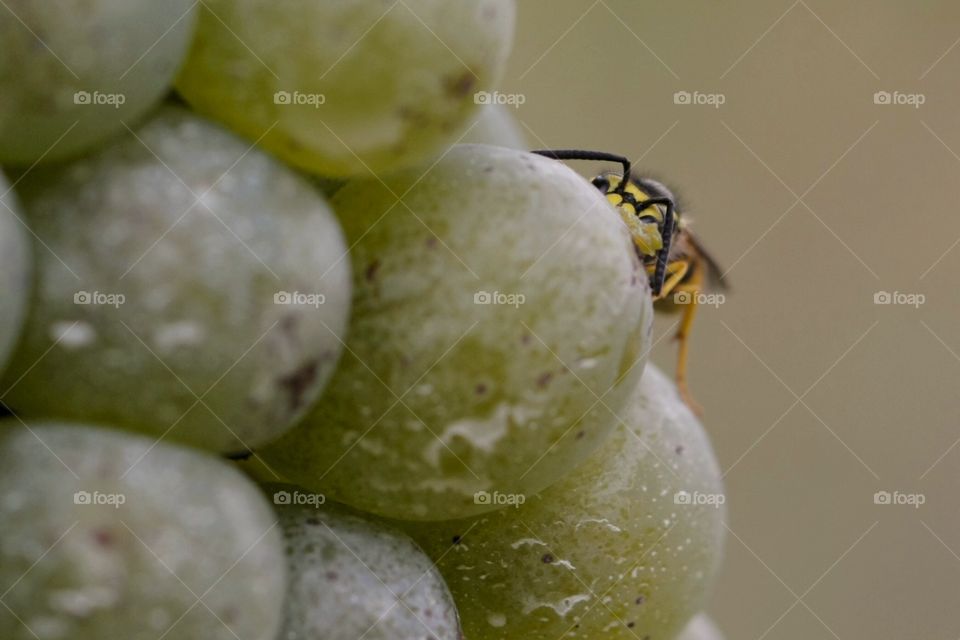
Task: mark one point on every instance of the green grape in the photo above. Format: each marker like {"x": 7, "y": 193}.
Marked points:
{"x": 701, "y": 628}
{"x": 351, "y": 578}
{"x": 500, "y": 315}
{"x": 197, "y": 294}
{"x": 343, "y": 88}
{"x": 14, "y": 271}
{"x": 110, "y": 535}
{"x": 496, "y": 124}
{"x": 75, "y": 73}
{"x": 625, "y": 546}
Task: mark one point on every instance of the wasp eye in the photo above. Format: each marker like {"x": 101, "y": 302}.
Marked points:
{"x": 602, "y": 184}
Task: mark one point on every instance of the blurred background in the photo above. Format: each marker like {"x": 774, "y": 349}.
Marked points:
{"x": 816, "y": 193}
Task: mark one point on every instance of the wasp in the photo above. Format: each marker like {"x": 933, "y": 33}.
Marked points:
{"x": 675, "y": 260}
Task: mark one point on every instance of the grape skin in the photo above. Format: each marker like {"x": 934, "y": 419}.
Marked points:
{"x": 497, "y": 125}
{"x": 14, "y": 270}
{"x": 610, "y": 529}
{"x": 345, "y": 88}
{"x": 701, "y": 628}
{"x": 100, "y": 48}
{"x": 199, "y": 239}
{"x": 82, "y": 564}
{"x": 351, "y": 578}
{"x": 491, "y": 393}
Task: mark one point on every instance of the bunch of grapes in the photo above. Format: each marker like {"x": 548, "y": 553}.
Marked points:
{"x": 297, "y": 342}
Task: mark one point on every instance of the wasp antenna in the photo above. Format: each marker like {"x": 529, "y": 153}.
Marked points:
{"x": 663, "y": 255}
{"x": 580, "y": 154}
{"x": 669, "y": 224}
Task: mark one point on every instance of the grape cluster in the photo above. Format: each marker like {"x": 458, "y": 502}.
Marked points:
{"x": 298, "y": 342}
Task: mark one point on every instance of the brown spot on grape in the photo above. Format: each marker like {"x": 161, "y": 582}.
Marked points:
{"x": 679, "y": 449}
{"x": 416, "y": 118}
{"x": 544, "y": 380}
{"x": 431, "y": 242}
{"x": 103, "y": 537}
{"x": 580, "y": 434}
{"x": 640, "y": 600}
{"x": 299, "y": 382}
{"x": 288, "y": 323}
{"x": 547, "y": 558}
{"x": 457, "y": 539}
{"x": 371, "y": 271}
{"x": 332, "y": 576}
{"x": 461, "y": 85}
{"x": 480, "y": 389}
{"x": 631, "y": 625}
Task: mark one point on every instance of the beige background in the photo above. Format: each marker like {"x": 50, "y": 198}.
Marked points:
{"x": 814, "y": 198}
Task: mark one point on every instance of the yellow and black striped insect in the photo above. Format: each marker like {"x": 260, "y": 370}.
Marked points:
{"x": 675, "y": 260}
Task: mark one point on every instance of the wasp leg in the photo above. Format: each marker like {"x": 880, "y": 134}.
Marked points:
{"x": 683, "y": 342}
{"x": 676, "y": 271}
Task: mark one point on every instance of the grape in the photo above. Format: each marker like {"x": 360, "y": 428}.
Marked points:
{"x": 197, "y": 294}
{"x": 496, "y": 124}
{"x": 492, "y": 308}
{"x": 701, "y": 628}
{"x": 83, "y": 66}
{"x": 613, "y": 550}
{"x": 340, "y": 88}
{"x": 14, "y": 270}
{"x": 351, "y": 578}
{"x": 110, "y": 535}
